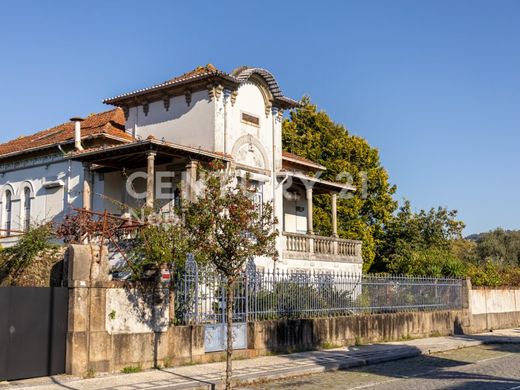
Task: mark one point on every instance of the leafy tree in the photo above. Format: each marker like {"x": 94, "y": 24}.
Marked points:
{"x": 312, "y": 134}
{"x": 227, "y": 228}
{"x": 422, "y": 243}
{"x": 500, "y": 247}
{"x": 159, "y": 245}
{"x": 465, "y": 250}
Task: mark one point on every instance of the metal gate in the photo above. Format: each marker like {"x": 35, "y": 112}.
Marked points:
{"x": 33, "y": 330}
{"x": 201, "y": 299}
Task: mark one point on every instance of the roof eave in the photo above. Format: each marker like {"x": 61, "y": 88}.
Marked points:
{"x": 151, "y": 143}
{"x": 304, "y": 163}
{"x": 62, "y": 143}
{"x": 329, "y": 184}
{"x": 287, "y": 103}
{"x": 122, "y": 99}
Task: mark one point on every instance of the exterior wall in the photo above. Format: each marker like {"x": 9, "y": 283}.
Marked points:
{"x": 46, "y": 203}
{"x": 109, "y": 189}
{"x": 258, "y": 147}
{"x": 295, "y": 221}
{"x": 184, "y": 124}
{"x": 494, "y": 308}
{"x": 108, "y": 192}
{"x": 112, "y": 327}
{"x": 295, "y": 335}
{"x": 210, "y": 120}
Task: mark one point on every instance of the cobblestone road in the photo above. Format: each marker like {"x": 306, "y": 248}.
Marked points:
{"x": 482, "y": 367}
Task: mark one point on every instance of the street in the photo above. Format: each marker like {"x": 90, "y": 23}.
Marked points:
{"x": 482, "y": 367}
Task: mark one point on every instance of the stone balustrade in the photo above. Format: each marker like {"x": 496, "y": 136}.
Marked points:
{"x": 318, "y": 245}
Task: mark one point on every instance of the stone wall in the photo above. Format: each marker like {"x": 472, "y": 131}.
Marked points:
{"x": 110, "y": 325}
{"x": 113, "y": 326}
{"x": 294, "y": 335}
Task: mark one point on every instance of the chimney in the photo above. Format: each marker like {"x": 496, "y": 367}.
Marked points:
{"x": 77, "y": 132}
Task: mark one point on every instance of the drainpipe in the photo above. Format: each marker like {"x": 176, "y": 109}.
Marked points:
{"x": 227, "y": 94}
{"x": 77, "y": 132}
{"x": 69, "y": 170}
{"x": 276, "y": 206}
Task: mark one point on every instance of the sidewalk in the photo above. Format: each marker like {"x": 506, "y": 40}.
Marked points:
{"x": 210, "y": 376}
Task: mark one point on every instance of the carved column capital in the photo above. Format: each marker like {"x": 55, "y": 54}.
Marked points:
{"x": 187, "y": 96}
{"x": 268, "y": 108}
{"x": 218, "y": 91}
{"x": 234, "y": 95}
{"x": 146, "y": 107}
{"x": 166, "y": 102}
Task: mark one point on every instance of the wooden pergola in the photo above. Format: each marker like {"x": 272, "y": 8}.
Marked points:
{"x": 147, "y": 153}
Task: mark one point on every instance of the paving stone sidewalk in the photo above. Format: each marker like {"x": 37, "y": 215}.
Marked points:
{"x": 210, "y": 376}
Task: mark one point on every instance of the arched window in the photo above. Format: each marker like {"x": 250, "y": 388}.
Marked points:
{"x": 8, "y": 211}
{"x": 26, "y": 208}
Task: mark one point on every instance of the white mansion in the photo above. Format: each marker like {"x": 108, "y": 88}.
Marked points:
{"x": 172, "y": 127}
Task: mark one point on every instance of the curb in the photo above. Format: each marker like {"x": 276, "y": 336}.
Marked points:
{"x": 365, "y": 362}
{"x": 360, "y": 358}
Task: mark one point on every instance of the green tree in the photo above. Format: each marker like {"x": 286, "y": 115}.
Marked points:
{"x": 159, "y": 245}
{"x": 311, "y": 133}
{"x": 228, "y": 227}
{"x": 499, "y": 246}
{"x": 422, "y": 243}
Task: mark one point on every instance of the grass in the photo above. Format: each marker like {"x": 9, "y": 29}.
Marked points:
{"x": 328, "y": 345}
{"x": 89, "y": 374}
{"x": 131, "y": 369}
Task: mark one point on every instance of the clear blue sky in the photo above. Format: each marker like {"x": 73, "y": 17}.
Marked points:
{"x": 434, "y": 85}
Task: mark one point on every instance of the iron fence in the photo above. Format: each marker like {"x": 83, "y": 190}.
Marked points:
{"x": 280, "y": 294}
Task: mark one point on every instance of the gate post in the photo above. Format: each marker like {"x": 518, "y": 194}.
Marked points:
{"x": 86, "y": 264}
{"x": 467, "y": 315}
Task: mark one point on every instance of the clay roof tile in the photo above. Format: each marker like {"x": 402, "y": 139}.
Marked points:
{"x": 109, "y": 122}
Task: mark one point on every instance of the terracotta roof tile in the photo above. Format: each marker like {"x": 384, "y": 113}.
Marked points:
{"x": 302, "y": 160}
{"x": 198, "y": 71}
{"x": 108, "y": 123}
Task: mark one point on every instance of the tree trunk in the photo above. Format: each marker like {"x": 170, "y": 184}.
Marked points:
{"x": 229, "y": 329}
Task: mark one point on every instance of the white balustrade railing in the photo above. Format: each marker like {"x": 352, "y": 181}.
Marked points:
{"x": 297, "y": 242}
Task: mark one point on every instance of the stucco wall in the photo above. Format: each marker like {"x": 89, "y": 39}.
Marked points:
{"x": 46, "y": 203}
{"x": 184, "y": 124}
{"x": 494, "y": 308}
{"x": 295, "y": 213}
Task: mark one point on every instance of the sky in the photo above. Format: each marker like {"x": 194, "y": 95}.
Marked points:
{"x": 433, "y": 85}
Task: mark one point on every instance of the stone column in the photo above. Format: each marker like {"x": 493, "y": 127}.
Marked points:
{"x": 150, "y": 179}
{"x": 310, "y": 229}
{"x": 334, "y": 215}
{"x": 191, "y": 180}
{"x": 87, "y": 187}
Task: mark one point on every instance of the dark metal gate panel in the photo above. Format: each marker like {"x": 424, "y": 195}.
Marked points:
{"x": 36, "y": 332}
{"x": 4, "y": 330}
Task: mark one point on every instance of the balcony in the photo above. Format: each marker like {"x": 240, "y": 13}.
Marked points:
{"x": 312, "y": 247}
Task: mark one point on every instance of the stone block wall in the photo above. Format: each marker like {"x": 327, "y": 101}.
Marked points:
{"x": 113, "y": 325}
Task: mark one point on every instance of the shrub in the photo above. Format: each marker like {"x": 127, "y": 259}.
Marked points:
{"x": 14, "y": 260}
